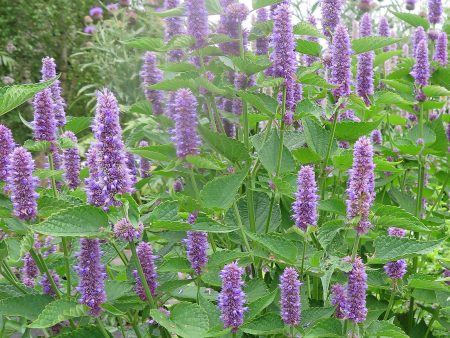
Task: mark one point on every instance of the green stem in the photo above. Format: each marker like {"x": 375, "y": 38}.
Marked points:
{"x": 280, "y": 146}
{"x": 67, "y": 263}
{"x": 102, "y": 328}
{"x": 44, "y": 269}
{"x": 355, "y": 247}
{"x": 391, "y": 301}
{"x": 122, "y": 257}
{"x": 7, "y": 273}
{"x": 430, "y": 324}
{"x": 291, "y": 330}
{"x": 144, "y": 283}
{"x": 194, "y": 184}
{"x": 241, "y": 227}
{"x": 198, "y": 289}
{"x": 303, "y": 254}
{"x": 52, "y": 167}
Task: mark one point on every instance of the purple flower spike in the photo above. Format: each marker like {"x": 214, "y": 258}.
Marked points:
{"x": 411, "y": 5}
{"x": 231, "y": 298}
{"x": 94, "y": 190}
{"x": 419, "y": 35}
{"x": 338, "y": 300}
{"x": 290, "y": 297}
{"x": 174, "y": 26}
{"x": 441, "y": 52}
{"x": 364, "y": 73}
{"x": 124, "y": 230}
{"x": 49, "y": 72}
{"x": 396, "y": 270}
{"x": 196, "y": 249}
{"x": 434, "y": 11}
{"x": 22, "y": 184}
{"x": 341, "y": 59}
{"x": 355, "y": 304}
{"x": 262, "y": 44}
{"x": 113, "y": 172}
{"x": 147, "y": 260}
{"x": 306, "y": 199}
{"x": 46, "y": 285}
{"x": 331, "y": 13}
{"x": 376, "y": 137}
{"x": 6, "y": 148}
{"x": 197, "y": 21}
{"x": 150, "y": 75}
{"x": 44, "y": 116}
{"x": 144, "y": 164}
{"x": 178, "y": 185}
{"x": 229, "y": 27}
{"x": 29, "y": 271}
{"x": 383, "y": 27}
{"x": 447, "y": 274}
{"x": 185, "y": 116}
{"x": 92, "y": 275}
{"x": 131, "y": 164}
{"x": 361, "y": 187}
{"x": 309, "y": 59}
{"x": 71, "y": 160}
{"x": 421, "y": 69}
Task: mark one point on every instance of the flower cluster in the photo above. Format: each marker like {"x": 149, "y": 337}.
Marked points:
{"x": 147, "y": 260}
{"x": 306, "y": 199}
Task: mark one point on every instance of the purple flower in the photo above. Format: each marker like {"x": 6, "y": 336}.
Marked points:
{"x": 396, "y": 270}
{"x": 113, "y": 174}
{"x": 383, "y": 27}
{"x": 405, "y": 50}
{"x": 306, "y": 199}
{"x": 131, "y": 164}
{"x": 96, "y": 12}
{"x": 46, "y": 285}
{"x": 231, "y": 298}
{"x": 230, "y": 25}
{"x": 197, "y": 21}
{"x": 434, "y": 11}
{"x": 92, "y": 275}
{"x": 290, "y": 297}
{"x": 144, "y": 164}
{"x": 71, "y": 160}
{"x": 364, "y": 73}
{"x": 174, "y": 26}
{"x": 447, "y": 274}
{"x": 196, "y": 249}
{"x": 29, "y": 271}
{"x": 309, "y": 59}
{"x": 262, "y": 44}
{"x": 147, "y": 260}
{"x": 22, "y": 184}
{"x": 331, "y": 13}
{"x": 94, "y": 190}
{"x": 361, "y": 187}
{"x": 241, "y": 81}
{"x": 376, "y": 137}
{"x": 49, "y": 72}
{"x": 192, "y": 218}
{"x": 411, "y": 5}
{"x": 185, "y": 132}
{"x": 44, "y": 118}
{"x": 90, "y": 29}
{"x": 178, "y": 185}
{"x": 441, "y": 51}
{"x": 338, "y": 300}
{"x": 355, "y": 303}
{"x": 112, "y": 7}
{"x": 124, "y": 230}
{"x": 420, "y": 141}
{"x": 341, "y": 59}
{"x": 6, "y": 148}
{"x": 421, "y": 69}
{"x": 419, "y": 35}
{"x": 347, "y": 115}
{"x": 150, "y": 75}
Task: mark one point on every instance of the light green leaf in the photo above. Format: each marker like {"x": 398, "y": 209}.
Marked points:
{"x": 76, "y": 124}
{"x": 58, "y": 311}
{"x": 176, "y": 264}
{"x": 146, "y": 43}
{"x": 268, "y": 155}
{"x": 179, "y": 42}
{"x": 255, "y": 101}
{"x": 38, "y": 146}
{"x": 170, "y": 13}
{"x": 159, "y": 152}
{"x": 313, "y": 314}
{"x": 351, "y": 131}
{"x": 204, "y": 162}
{"x": 267, "y": 324}
{"x": 369, "y": 43}
{"x": 256, "y": 307}
{"x": 276, "y": 244}
{"x": 220, "y": 258}
{"x": 317, "y": 137}
{"x": 435, "y": 91}
{"x": 384, "y": 328}
{"x": 413, "y": 19}
{"x": 263, "y": 3}
{"x": 141, "y": 107}
{"x": 308, "y": 47}
{"x": 305, "y": 28}
{"x": 174, "y": 84}
{"x": 384, "y": 56}
{"x": 27, "y": 306}
{"x": 392, "y": 216}
{"x": 251, "y": 64}
{"x": 89, "y": 331}
{"x": 393, "y": 248}
{"x": 326, "y": 328}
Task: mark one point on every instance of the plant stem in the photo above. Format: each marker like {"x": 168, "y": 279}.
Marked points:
{"x": 391, "y": 301}
{"x": 305, "y": 241}
{"x": 194, "y": 184}
{"x": 44, "y": 269}
{"x": 198, "y": 289}
{"x": 52, "y": 167}
{"x": 7, "y": 273}
{"x": 67, "y": 263}
{"x": 355, "y": 247}
{"x": 102, "y": 328}
{"x": 291, "y": 330}
{"x": 241, "y": 227}
{"x": 122, "y": 257}
{"x": 144, "y": 283}
{"x": 430, "y": 324}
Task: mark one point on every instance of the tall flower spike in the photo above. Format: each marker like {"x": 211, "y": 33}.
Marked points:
{"x": 376, "y": 137}
{"x": 411, "y": 5}
{"x": 71, "y": 162}
{"x": 92, "y": 275}
{"x": 306, "y": 199}
{"x": 144, "y": 164}
{"x": 131, "y": 164}
{"x": 338, "y": 300}
{"x": 185, "y": 132}
{"x": 341, "y": 60}
{"x": 174, "y": 26}
{"x": 94, "y": 190}
{"x": 434, "y": 11}
{"x": 22, "y": 184}
{"x": 49, "y": 72}
{"x": 262, "y": 44}
{"x": 29, "y": 271}
{"x": 197, "y": 21}
{"x": 290, "y": 297}
{"x": 396, "y": 270}
{"x": 241, "y": 81}
{"x": 196, "y": 249}
{"x": 230, "y": 25}
{"x": 384, "y": 30}
{"x": 113, "y": 173}
{"x": 231, "y": 298}
{"x": 441, "y": 51}
{"x": 331, "y": 13}
{"x": 309, "y": 59}
{"x": 6, "y": 148}
{"x": 419, "y": 35}
{"x": 364, "y": 72}
{"x": 147, "y": 260}
{"x": 125, "y": 231}
{"x": 361, "y": 185}
{"x": 421, "y": 69}
{"x": 150, "y": 75}
{"x": 355, "y": 304}
{"x": 44, "y": 118}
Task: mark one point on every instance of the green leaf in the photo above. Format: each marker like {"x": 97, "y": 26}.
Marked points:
{"x": 256, "y": 307}
{"x": 435, "y": 91}
{"x": 186, "y": 320}
{"x": 308, "y": 47}
{"x": 176, "y": 264}
{"x": 146, "y": 43}
{"x": 401, "y": 86}
{"x": 267, "y": 324}
{"x": 213, "y": 7}
{"x": 220, "y": 258}
{"x": 38, "y": 146}
{"x": 251, "y": 64}
{"x": 80, "y": 221}
{"x": 333, "y": 205}
{"x": 209, "y": 86}
{"x": 220, "y": 192}
{"x": 351, "y": 131}
{"x": 13, "y": 96}
{"x": 255, "y": 101}
{"x": 204, "y": 162}
{"x": 305, "y": 155}
{"x": 177, "y": 67}
{"x": 179, "y": 42}
{"x": 141, "y": 107}
{"x": 78, "y": 123}
{"x": 174, "y": 84}
{"x": 369, "y": 43}
{"x": 27, "y": 306}
{"x": 326, "y": 328}
{"x": 89, "y": 331}
{"x": 58, "y": 311}
{"x": 392, "y": 216}
{"x": 276, "y": 244}
{"x": 115, "y": 289}
{"x": 313, "y": 314}
{"x": 381, "y": 58}
{"x": 393, "y": 248}
{"x": 268, "y": 155}
{"x": 413, "y": 19}
{"x": 391, "y": 98}
{"x": 160, "y": 152}
{"x": 263, "y": 3}
{"x": 305, "y": 28}
{"x": 317, "y": 137}
{"x": 384, "y": 328}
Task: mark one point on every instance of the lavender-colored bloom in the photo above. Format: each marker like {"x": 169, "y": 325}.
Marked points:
{"x": 144, "y": 164}
{"x": 309, "y": 59}
{"x": 197, "y": 21}
{"x": 112, "y": 7}
{"x": 306, "y": 199}
{"x": 174, "y": 26}
{"x": 343, "y": 144}
{"x": 192, "y": 218}
{"x": 131, "y": 164}
{"x": 331, "y": 13}
{"x": 338, "y": 300}
{"x": 361, "y": 187}
{"x": 376, "y": 137}
{"x": 365, "y": 5}
{"x": 49, "y": 72}
{"x": 364, "y": 73}
{"x": 411, "y": 5}
{"x": 419, "y": 35}
{"x": 29, "y": 271}
{"x": 46, "y": 285}
{"x": 421, "y": 69}
{"x": 355, "y": 304}
{"x": 196, "y": 249}
{"x": 237, "y": 12}
{"x": 92, "y": 275}
{"x": 347, "y": 115}
{"x": 113, "y": 173}
{"x": 241, "y": 81}
{"x": 71, "y": 162}
{"x": 147, "y": 260}
{"x": 44, "y": 118}
{"x": 96, "y": 12}
{"x": 434, "y": 11}
{"x": 290, "y": 297}
{"x": 185, "y": 132}
{"x": 22, "y": 184}
{"x": 124, "y": 230}
{"x": 94, "y": 190}
{"x": 6, "y": 148}
{"x": 405, "y": 50}
{"x": 441, "y": 51}
{"x": 262, "y": 44}
{"x": 447, "y": 274}
{"x": 420, "y": 141}
{"x": 383, "y": 27}
{"x": 90, "y": 29}
{"x": 396, "y": 270}
{"x": 231, "y": 298}
{"x": 230, "y": 28}
{"x": 341, "y": 73}
{"x": 150, "y": 75}
{"x": 49, "y": 246}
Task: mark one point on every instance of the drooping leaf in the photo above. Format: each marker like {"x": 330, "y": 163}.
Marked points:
{"x": 385, "y": 329}
{"x": 305, "y": 28}
{"x": 58, "y": 311}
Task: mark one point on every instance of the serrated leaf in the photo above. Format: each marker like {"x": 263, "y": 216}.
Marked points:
{"x": 317, "y": 138}
{"x": 159, "y": 152}
{"x": 204, "y": 163}
{"x": 268, "y": 155}
{"x": 391, "y": 98}
{"x": 369, "y": 43}
{"x": 263, "y": 3}
{"x": 313, "y": 314}
{"x": 142, "y": 107}
{"x": 170, "y": 13}
{"x": 267, "y": 324}
{"x": 38, "y": 146}
{"x": 308, "y": 47}
{"x": 384, "y": 56}
{"x": 326, "y": 328}
{"x": 384, "y": 328}
{"x": 393, "y": 248}
{"x": 220, "y": 258}
{"x": 305, "y": 28}
{"x": 146, "y": 43}
{"x": 79, "y": 221}
{"x": 435, "y": 91}
{"x": 179, "y": 42}
{"x": 413, "y": 19}
{"x": 256, "y": 307}
{"x": 58, "y": 311}
{"x": 255, "y": 101}
{"x": 27, "y": 306}
{"x": 276, "y": 244}
{"x": 78, "y": 123}
{"x": 251, "y": 64}
{"x": 351, "y": 131}
{"x": 392, "y": 216}
{"x": 176, "y": 264}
